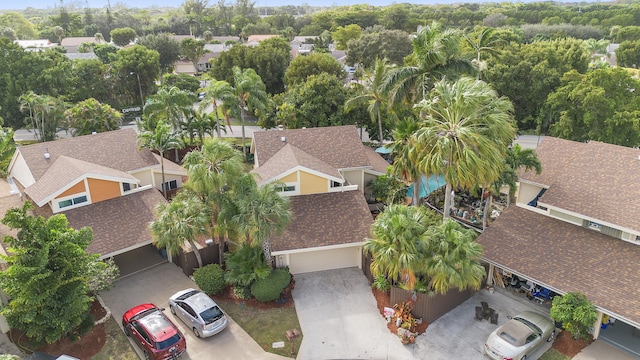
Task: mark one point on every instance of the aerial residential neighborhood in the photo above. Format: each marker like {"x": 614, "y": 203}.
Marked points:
{"x": 242, "y": 180}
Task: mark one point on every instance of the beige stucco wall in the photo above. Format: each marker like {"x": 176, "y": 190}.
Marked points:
{"x": 167, "y": 178}
{"x": 145, "y": 177}
{"x": 20, "y": 172}
{"x": 354, "y": 177}
{"x": 325, "y": 260}
{"x": 312, "y": 184}
{"x": 101, "y": 190}
{"x": 293, "y": 177}
{"x": 527, "y": 192}
{"x": 366, "y": 189}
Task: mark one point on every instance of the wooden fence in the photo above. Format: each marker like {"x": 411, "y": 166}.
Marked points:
{"x": 188, "y": 262}
{"x": 430, "y": 308}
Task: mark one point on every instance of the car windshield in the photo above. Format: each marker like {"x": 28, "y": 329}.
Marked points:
{"x": 169, "y": 342}
{"x": 531, "y": 325}
{"x": 211, "y": 314}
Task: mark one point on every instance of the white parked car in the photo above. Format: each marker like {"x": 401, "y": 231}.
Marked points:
{"x": 520, "y": 336}
{"x": 198, "y": 311}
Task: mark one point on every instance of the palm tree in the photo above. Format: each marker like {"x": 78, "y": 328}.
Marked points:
{"x": 199, "y": 125}
{"x": 397, "y": 247}
{"x": 251, "y": 94}
{"x": 518, "y": 158}
{"x": 179, "y": 222}
{"x": 58, "y": 31}
{"x": 453, "y": 259}
{"x": 261, "y": 211}
{"x": 220, "y": 94}
{"x": 161, "y": 139}
{"x": 464, "y": 134}
{"x": 213, "y": 170}
{"x": 373, "y": 95}
{"x": 486, "y": 40}
{"x": 29, "y": 101}
{"x": 435, "y": 55}
{"x": 169, "y": 104}
{"x": 405, "y": 165}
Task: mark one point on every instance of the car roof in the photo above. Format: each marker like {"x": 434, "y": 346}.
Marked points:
{"x": 157, "y": 325}
{"x": 198, "y": 300}
{"x": 136, "y": 310}
{"x": 514, "y": 332}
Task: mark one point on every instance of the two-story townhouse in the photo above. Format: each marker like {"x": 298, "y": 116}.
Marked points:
{"x": 325, "y": 171}
{"x": 576, "y": 228}
{"x": 102, "y": 181}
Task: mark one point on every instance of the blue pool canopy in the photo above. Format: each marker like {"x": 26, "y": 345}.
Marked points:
{"x": 427, "y": 186}
{"x": 383, "y": 150}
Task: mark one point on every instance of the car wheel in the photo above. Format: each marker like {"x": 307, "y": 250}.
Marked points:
{"x": 195, "y": 331}
{"x": 552, "y": 336}
{"x": 173, "y": 311}
{"x": 146, "y": 355}
{"x": 126, "y": 329}
{"x": 524, "y": 357}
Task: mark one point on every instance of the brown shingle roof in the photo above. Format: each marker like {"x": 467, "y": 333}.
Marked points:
{"x": 118, "y": 223}
{"x": 598, "y": 180}
{"x": 116, "y": 149}
{"x": 377, "y": 162}
{"x": 338, "y": 146}
{"x": 66, "y": 171}
{"x": 289, "y": 157}
{"x": 325, "y": 219}
{"x": 567, "y": 257}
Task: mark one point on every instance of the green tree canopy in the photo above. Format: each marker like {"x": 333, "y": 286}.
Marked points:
{"x": 313, "y": 64}
{"x": 47, "y": 274}
{"x": 192, "y": 50}
{"x": 343, "y": 34}
{"x": 123, "y": 36}
{"x": 90, "y": 116}
{"x": 168, "y": 48}
{"x": 628, "y": 54}
{"x": 393, "y": 45}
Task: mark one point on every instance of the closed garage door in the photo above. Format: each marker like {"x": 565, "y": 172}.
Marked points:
{"x": 324, "y": 260}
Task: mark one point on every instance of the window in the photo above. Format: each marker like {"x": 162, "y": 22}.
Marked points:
{"x": 594, "y": 225}
{"x": 335, "y": 184}
{"x": 287, "y": 188}
{"x": 170, "y": 185}
{"x": 74, "y": 201}
{"x": 128, "y": 187}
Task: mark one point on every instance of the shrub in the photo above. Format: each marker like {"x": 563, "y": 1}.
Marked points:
{"x": 210, "y": 279}
{"x": 270, "y": 288}
{"x": 381, "y": 283}
{"x": 242, "y": 292}
{"x": 576, "y": 313}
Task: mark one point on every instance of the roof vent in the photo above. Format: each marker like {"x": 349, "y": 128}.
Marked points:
{"x": 46, "y": 153}
{"x": 283, "y": 139}
{"x": 638, "y": 157}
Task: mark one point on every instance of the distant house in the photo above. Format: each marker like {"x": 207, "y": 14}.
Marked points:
{"x": 36, "y": 45}
{"x": 102, "y": 181}
{"x": 73, "y": 43}
{"x": 576, "y": 228}
{"x": 325, "y": 172}
{"x": 254, "y": 40}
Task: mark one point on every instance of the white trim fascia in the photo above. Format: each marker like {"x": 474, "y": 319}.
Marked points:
{"x": 365, "y": 167}
{"x": 373, "y": 172}
{"x": 318, "y": 248}
{"x": 127, "y": 249}
{"x": 305, "y": 169}
{"x": 85, "y": 177}
{"x": 534, "y": 183}
{"x": 13, "y": 160}
{"x": 560, "y": 292}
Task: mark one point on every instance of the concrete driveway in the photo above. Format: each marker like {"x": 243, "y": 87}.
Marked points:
{"x": 340, "y": 320}
{"x": 156, "y": 285}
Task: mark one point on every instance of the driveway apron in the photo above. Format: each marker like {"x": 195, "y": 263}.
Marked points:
{"x": 155, "y": 286}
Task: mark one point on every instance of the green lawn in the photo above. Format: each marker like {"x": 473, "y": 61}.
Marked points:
{"x": 117, "y": 346}
{"x": 553, "y": 354}
{"x": 265, "y": 326}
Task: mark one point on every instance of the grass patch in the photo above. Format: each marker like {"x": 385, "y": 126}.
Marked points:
{"x": 117, "y": 346}
{"x": 553, "y": 354}
{"x": 265, "y": 326}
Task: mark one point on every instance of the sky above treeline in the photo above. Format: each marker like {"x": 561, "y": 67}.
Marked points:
{"x": 44, "y": 4}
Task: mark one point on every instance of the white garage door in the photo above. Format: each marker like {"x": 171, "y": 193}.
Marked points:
{"x": 324, "y": 260}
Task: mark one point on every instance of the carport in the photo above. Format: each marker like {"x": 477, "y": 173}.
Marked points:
{"x": 139, "y": 259}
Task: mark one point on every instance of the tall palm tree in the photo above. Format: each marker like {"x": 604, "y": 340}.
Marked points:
{"x": 405, "y": 165}
{"x": 483, "y": 41}
{"x": 397, "y": 246}
{"x": 453, "y": 259}
{"x": 179, "y": 222}
{"x": 373, "y": 95}
{"x": 213, "y": 171}
{"x": 169, "y": 104}
{"x": 261, "y": 211}
{"x": 220, "y": 94}
{"x": 251, "y": 94}
{"x": 161, "y": 139}
{"x": 435, "y": 55}
{"x": 465, "y": 132}
{"x": 518, "y": 158}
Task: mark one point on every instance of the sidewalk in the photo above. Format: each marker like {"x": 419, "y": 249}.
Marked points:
{"x": 599, "y": 350}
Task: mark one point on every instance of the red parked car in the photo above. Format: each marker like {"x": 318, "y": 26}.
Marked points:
{"x": 156, "y": 335}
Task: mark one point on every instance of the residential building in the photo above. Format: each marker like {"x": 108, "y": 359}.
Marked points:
{"x": 576, "y": 228}
{"x": 325, "y": 172}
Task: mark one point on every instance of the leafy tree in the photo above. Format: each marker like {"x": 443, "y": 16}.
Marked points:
{"x": 342, "y": 35}
{"x": 222, "y": 66}
{"x": 313, "y": 64}
{"x": 576, "y": 313}
{"x": 89, "y": 116}
{"x": 245, "y": 265}
{"x": 178, "y": 223}
{"x": 7, "y": 148}
{"x": 47, "y": 274}
{"x": 103, "y": 52}
{"x": 169, "y": 104}
{"x": 373, "y": 95}
{"x": 123, "y": 36}
{"x": 23, "y": 28}
{"x": 393, "y": 45}
{"x": 464, "y": 135}
{"x": 435, "y": 55}
{"x": 168, "y": 48}
{"x": 7, "y": 32}
{"x": 212, "y": 170}
{"x": 220, "y": 95}
{"x": 102, "y": 275}
{"x": 183, "y": 82}
{"x": 454, "y": 260}
{"x": 133, "y": 60}
{"x": 628, "y": 54}
{"x": 627, "y": 33}
{"x": 193, "y": 50}
{"x": 161, "y": 139}
{"x": 388, "y": 189}
{"x": 58, "y": 31}
{"x": 602, "y": 105}
{"x": 270, "y": 59}
{"x": 91, "y": 78}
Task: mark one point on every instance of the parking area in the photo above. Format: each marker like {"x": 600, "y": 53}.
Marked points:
{"x": 339, "y": 319}
{"x": 156, "y": 285}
